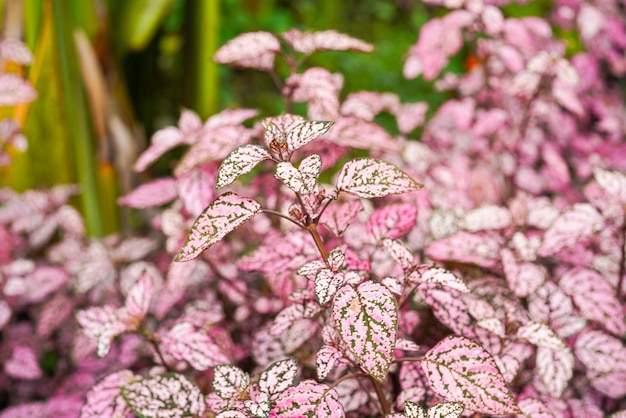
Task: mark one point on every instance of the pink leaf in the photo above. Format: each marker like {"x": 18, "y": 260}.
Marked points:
{"x": 309, "y": 398}
{"x": 449, "y": 307}
{"x": 539, "y": 334}
{"x": 240, "y": 161}
{"x": 280, "y": 253}
{"x": 320, "y": 89}
{"x": 302, "y": 134}
{"x": 164, "y": 395}
{"x": 14, "y": 50}
{"x": 162, "y": 141}
{"x": 139, "y": 297}
{"x": 367, "y": 319}
{"x": 250, "y": 50}
{"x": 486, "y": 217}
{"x": 23, "y": 364}
{"x": 105, "y": 398}
{"x": 326, "y": 285}
{"x": 410, "y": 115}
{"x": 43, "y": 281}
{"x": 461, "y": 370}
{"x": 15, "y": 90}
{"x": 155, "y": 193}
{"x": 311, "y": 268}
{"x": 443, "y": 277}
{"x": 572, "y": 226}
{"x": 613, "y": 182}
{"x": 5, "y": 313}
{"x": 356, "y": 133}
{"x": 27, "y": 410}
{"x": 595, "y": 297}
{"x": 600, "y": 352}
{"x": 481, "y": 249}
{"x": 228, "y": 212}
{"x": 328, "y": 40}
{"x": 292, "y": 313}
{"x": 392, "y": 221}
{"x": 555, "y": 368}
{"x": 339, "y": 216}
{"x": 195, "y": 346}
{"x": 276, "y": 128}
{"x": 302, "y": 331}
{"x": 367, "y": 178}
{"x": 523, "y": 278}
{"x": 399, "y": 252}
{"x": 194, "y": 188}
{"x": 104, "y": 324}
{"x": 229, "y": 381}
{"x": 325, "y": 360}
{"x": 54, "y": 312}
{"x": 278, "y": 376}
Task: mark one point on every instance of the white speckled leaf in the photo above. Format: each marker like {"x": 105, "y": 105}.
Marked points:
{"x": 187, "y": 343}
{"x": 105, "y": 399}
{"x": 229, "y": 381}
{"x": 325, "y": 360}
{"x": 460, "y": 370}
{"x": 228, "y": 212}
{"x": 442, "y": 276}
{"x": 310, "y": 170}
{"x": 613, "y": 182}
{"x": 305, "y": 132}
{"x": 541, "y": 335}
{"x": 446, "y": 410}
{"x": 572, "y": 226}
{"x": 278, "y": 376}
{"x": 367, "y": 319}
{"x": 555, "y": 368}
{"x": 326, "y": 285}
{"x": 368, "y": 177}
{"x": 240, "y": 161}
{"x": 399, "y": 252}
{"x": 171, "y": 395}
{"x": 308, "y": 399}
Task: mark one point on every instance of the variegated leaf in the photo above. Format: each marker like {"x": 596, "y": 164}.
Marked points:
{"x": 449, "y": 308}
{"x": 23, "y": 364}
{"x": 445, "y": 410}
{"x": 392, "y": 221}
{"x": 326, "y": 285}
{"x": 310, "y": 168}
{"x": 240, "y": 161}
{"x": 336, "y": 259}
{"x": 260, "y": 407}
{"x": 302, "y": 134}
{"x": 367, "y": 319}
{"x": 399, "y": 252}
{"x": 600, "y": 352}
{"x": 308, "y": 399}
{"x": 325, "y": 360}
{"x": 228, "y": 212}
{"x": 576, "y": 224}
{"x": 105, "y": 398}
{"x": 413, "y": 410}
{"x": 229, "y": 381}
{"x": 613, "y": 182}
{"x": 310, "y": 42}
{"x": 595, "y": 298}
{"x": 481, "y": 249}
{"x": 368, "y": 177}
{"x": 139, "y": 297}
{"x": 290, "y": 176}
{"x": 555, "y": 368}
{"x": 444, "y": 277}
{"x": 486, "y": 217}
{"x": 278, "y": 376}
{"x": 311, "y": 268}
{"x": 232, "y": 414}
{"x": 292, "y": 313}
{"x": 541, "y": 335}
{"x": 103, "y": 323}
{"x": 523, "y": 278}
{"x": 170, "y": 394}
{"x": 250, "y": 50}
{"x": 340, "y": 215}
{"x": 186, "y": 343}
{"x": 461, "y": 370}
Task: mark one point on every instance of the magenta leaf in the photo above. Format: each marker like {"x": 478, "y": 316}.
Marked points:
{"x": 327, "y": 40}
{"x": 278, "y": 376}
{"x": 368, "y": 177}
{"x": 185, "y": 342}
{"x": 139, "y": 297}
{"x": 572, "y": 226}
{"x": 461, "y": 370}
{"x": 250, "y": 50}
{"x": 339, "y": 216}
{"x": 325, "y": 361}
{"x": 240, "y": 161}
{"x": 302, "y": 134}
{"x": 155, "y": 193}
{"x": 171, "y": 395}
{"x": 392, "y": 221}
{"x": 367, "y": 319}
{"x": 308, "y": 399}
{"x": 613, "y": 182}
{"x": 228, "y": 212}
{"x": 229, "y": 381}
{"x": 595, "y": 298}
{"x": 23, "y": 364}
{"x": 105, "y": 398}
{"x": 555, "y": 368}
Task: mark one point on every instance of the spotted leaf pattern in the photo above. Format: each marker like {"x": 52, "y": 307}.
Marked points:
{"x": 105, "y": 398}
{"x": 369, "y": 177}
{"x": 440, "y": 410}
{"x": 327, "y": 40}
{"x": 575, "y": 224}
{"x": 367, "y": 319}
{"x": 392, "y": 221}
{"x": 278, "y": 376}
{"x": 103, "y": 323}
{"x": 443, "y": 277}
{"x": 605, "y": 359}
{"x": 228, "y": 212}
{"x": 541, "y": 335}
{"x": 460, "y": 370}
{"x": 555, "y": 368}
{"x": 229, "y": 381}
{"x": 308, "y": 399}
{"x": 187, "y": 343}
{"x": 325, "y": 361}
{"x": 302, "y": 134}
{"x": 250, "y": 50}
{"x": 326, "y": 285}
{"x": 240, "y": 161}
{"x": 166, "y": 395}
{"x": 339, "y": 216}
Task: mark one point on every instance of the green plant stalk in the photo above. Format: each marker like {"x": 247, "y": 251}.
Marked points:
{"x": 79, "y": 129}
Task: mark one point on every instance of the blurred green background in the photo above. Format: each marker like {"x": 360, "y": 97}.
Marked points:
{"x": 109, "y": 73}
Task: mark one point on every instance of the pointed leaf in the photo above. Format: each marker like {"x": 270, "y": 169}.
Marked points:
{"x": 278, "y": 376}
{"x": 392, "y": 221}
{"x": 446, "y": 410}
{"x": 368, "y": 177}
{"x": 291, "y": 177}
{"x": 250, "y": 50}
{"x": 327, "y": 40}
{"x": 228, "y": 212}
{"x": 310, "y": 168}
{"x": 23, "y": 364}
{"x": 155, "y": 193}
{"x": 325, "y": 361}
{"x": 444, "y": 277}
{"x": 311, "y": 268}
{"x": 555, "y": 368}
{"x": 367, "y": 319}
{"x": 336, "y": 259}
{"x": 541, "y": 335}
{"x": 339, "y": 216}
{"x": 326, "y": 285}
{"x": 461, "y": 370}
{"x": 171, "y": 395}
{"x": 139, "y": 297}
{"x": 308, "y": 399}
{"x": 600, "y": 351}
{"x": 103, "y": 323}
{"x": 399, "y": 252}
{"x": 572, "y": 226}
{"x": 448, "y": 307}
{"x": 413, "y": 410}
{"x": 595, "y": 298}
{"x": 302, "y": 134}
{"x": 186, "y": 343}
{"x": 105, "y": 398}
{"x": 240, "y": 161}
{"x": 229, "y": 381}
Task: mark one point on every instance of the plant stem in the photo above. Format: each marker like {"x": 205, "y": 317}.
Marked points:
{"x": 312, "y": 228}
{"x": 276, "y": 213}
{"x": 384, "y": 403}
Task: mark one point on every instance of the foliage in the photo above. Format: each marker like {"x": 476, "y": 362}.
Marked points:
{"x": 342, "y": 270}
